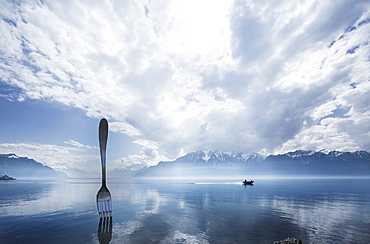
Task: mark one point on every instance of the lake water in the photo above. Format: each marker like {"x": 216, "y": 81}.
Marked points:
{"x": 315, "y": 211}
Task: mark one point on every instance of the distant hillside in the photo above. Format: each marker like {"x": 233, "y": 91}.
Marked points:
{"x": 204, "y": 164}
{"x": 319, "y": 163}
{"x": 299, "y": 163}
{"x": 125, "y": 173}
{"x": 23, "y": 167}
{"x": 75, "y": 173}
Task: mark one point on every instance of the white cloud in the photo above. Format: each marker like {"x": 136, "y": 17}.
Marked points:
{"x": 78, "y": 144}
{"x": 229, "y": 75}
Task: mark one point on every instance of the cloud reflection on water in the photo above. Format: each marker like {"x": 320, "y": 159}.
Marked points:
{"x": 228, "y": 213}
{"x": 167, "y": 212}
{"x": 321, "y": 217}
{"x": 196, "y": 216}
{"x": 33, "y": 198}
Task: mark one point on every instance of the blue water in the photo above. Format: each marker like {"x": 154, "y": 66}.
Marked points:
{"x": 315, "y": 211}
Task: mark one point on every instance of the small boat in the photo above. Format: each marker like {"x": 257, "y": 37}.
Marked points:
{"x": 248, "y": 182}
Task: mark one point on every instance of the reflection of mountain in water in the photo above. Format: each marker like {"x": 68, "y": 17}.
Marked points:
{"x": 299, "y": 163}
{"x": 24, "y": 167}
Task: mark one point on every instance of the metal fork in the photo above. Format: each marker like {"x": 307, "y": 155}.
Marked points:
{"x": 103, "y": 198}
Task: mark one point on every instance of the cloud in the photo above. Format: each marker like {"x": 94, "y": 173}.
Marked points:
{"x": 300, "y": 69}
{"x": 239, "y": 76}
{"x": 79, "y": 145}
{"x": 149, "y": 155}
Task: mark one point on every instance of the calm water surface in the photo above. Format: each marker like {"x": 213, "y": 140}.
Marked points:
{"x": 315, "y": 211}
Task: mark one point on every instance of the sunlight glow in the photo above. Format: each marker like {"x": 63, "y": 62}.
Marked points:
{"x": 200, "y": 30}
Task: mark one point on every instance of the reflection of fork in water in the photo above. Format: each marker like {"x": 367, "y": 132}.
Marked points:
{"x": 105, "y": 230}
{"x": 103, "y": 198}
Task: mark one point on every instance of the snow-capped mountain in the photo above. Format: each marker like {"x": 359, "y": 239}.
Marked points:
{"x": 216, "y": 157}
{"x": 23, "y": 167}
{"x": 316, "y": 156}
{"x": 204, "y": 164}
{"x": 297, "y": 163}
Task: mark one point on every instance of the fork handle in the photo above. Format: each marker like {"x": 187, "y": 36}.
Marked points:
{"x": 103, "y": 136}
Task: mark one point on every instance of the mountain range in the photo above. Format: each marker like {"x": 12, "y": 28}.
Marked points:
{"x": 23, "y": 167}
{"x": 215, "y": 164}
{"x": 298, "y": 163}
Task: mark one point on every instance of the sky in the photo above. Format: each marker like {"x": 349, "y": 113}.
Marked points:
{"x": 173, "y": 77}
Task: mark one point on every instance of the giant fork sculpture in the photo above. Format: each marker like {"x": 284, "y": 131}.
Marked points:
{"x": 103, "y": 198}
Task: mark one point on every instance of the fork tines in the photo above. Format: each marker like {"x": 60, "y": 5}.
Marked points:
{"x": 104, "y": 207}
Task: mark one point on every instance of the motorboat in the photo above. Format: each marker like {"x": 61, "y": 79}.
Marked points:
{"x": 248, "y": 182}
